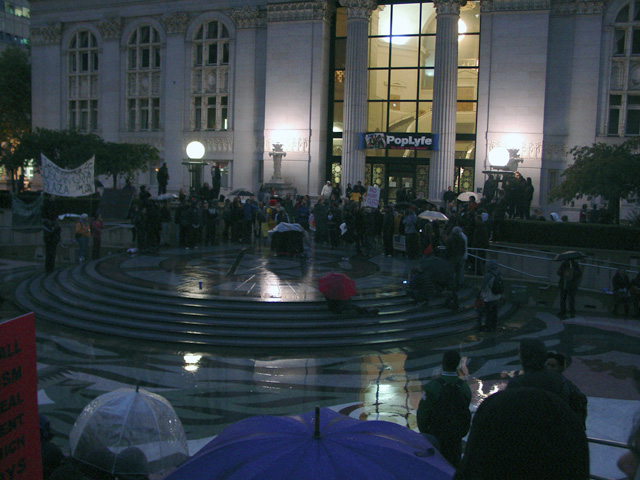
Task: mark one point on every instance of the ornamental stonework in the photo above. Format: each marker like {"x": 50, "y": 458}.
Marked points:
{"x": 110, "y": 29}
{"x": 49, "y": 35}
{"x": 298, "y": 11}
{"x": 449, "y": 7}
{"x": 359, "y": 8}
{"x": 573, "y": 7}
{"x": 249, "y": 17}
{"x": 554, "y": 151}
{"x": 514, "y": 5}
{"x": 175, "y": 23}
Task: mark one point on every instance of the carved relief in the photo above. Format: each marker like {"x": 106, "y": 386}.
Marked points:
{"x": 110, "y": 28}
{"x": 359, "y": 8}
{"x": 156, "y": 141}
{"x": 554, "y": 151}
{"x": 514, "y": 5}
{"x": 289, "y": 12}
{"x": 448, "y": 7}
{"x": 175, "y": 23}
{"x": 634, "y": 76}
{"x": 296, "y": 144}
{"x": 50, "y": 35}
{"x": 249, "y": 17}
{"x": 531, "y": 150}
{"x": 617, "y": 73}
{"x": 578, "y": 7}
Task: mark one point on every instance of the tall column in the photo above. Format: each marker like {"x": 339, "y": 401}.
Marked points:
{"x": 445, "y": 84}
{"x": 355, "y": 88}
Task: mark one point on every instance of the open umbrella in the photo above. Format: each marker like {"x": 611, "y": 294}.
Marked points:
{"x": 337, "y": 286}
{"x": 569, "y": 255}
{"x": 323, "y": 446}
{"x": 466, "y": 196}
{"x": 241, "y": 192}
{"x": 433, "y": 215}
{"x": 129, "y": 431}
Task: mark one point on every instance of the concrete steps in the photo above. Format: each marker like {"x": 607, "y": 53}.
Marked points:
{"x": 80, "y": 298}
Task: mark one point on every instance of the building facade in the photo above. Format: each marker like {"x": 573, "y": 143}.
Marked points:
{"x": 536, "y": 77}
{"x": 14, "y": 23}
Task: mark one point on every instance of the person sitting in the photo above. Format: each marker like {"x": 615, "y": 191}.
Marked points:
{"x": 621, "y": 296}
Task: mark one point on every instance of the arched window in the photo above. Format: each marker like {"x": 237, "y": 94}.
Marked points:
{"x": 82, "y": 88}
{"x": 210, "y": 81}
{"x": 624, "y": 87}
{"x": 143, "y": 80}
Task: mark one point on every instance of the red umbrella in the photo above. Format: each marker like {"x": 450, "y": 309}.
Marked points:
{"x": 337, "y": 286}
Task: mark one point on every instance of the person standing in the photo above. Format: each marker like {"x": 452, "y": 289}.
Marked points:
{"x": 96, "y": 235}
{"x": 490, "y": 292}
{"x": 443, "y": 411}
{"x": 326, "y": 190}
{"x": 163, "y": 179}
{"x": 51, "y": 237}
{"x": 83, "y": 233}
{"x": 570, "y": 274}
{"x": 410, "y": 221}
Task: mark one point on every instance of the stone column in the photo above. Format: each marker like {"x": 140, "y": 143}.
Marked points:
{"x": 355, "y": 89}
{"x": 445, "y": 85}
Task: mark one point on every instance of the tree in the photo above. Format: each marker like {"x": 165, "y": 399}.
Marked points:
{"x": 609, "y": 171}
{"x": 116, "y": 159}
{"x": 69, "y": 149}
{"x": 15, "y": 102}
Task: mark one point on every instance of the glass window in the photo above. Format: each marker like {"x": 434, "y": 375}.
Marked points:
{"x": 82, "y": 81}
{"x": 403, "y": 84}
{"x": 211, "y": 76}
{"x": 633, "y": 122}
{"x": 378, "y": 84}
{"x": 377, "y": 117}
{"x": 620, "y": 36}
{"x": 143, "y": 85}
{"x": 379, "y": 52}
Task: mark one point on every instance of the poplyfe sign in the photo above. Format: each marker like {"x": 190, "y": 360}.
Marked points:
{"x": 397, "y": 140}
{"x": 20, "y": 457}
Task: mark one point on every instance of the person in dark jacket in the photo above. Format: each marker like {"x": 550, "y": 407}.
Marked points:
{"x": 387, "y": 230}
{"x": 525, "y": 434}
{"x": 569, "y": 275}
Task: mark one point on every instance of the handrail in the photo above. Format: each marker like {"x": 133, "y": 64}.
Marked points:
{"x": 608, "y": 443}
{"x": 521, "y": 272}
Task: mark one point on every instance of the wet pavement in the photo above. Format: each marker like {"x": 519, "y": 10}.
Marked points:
{"x": 210, "y": 390}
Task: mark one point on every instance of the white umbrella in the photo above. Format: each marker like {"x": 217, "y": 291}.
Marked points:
{"x": 433, "y": 215}
{"x": 466, "y": 196}
{"x": 167, "y": 196}
{"x": 129, "y": 431}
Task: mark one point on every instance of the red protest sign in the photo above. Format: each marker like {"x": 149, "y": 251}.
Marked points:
{"x": 20, "y": 457}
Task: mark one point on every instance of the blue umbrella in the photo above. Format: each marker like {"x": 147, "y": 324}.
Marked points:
{"x": 323, "y": 446}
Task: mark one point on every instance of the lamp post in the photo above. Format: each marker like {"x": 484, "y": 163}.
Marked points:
{"x": 195, "y": 151}
{"x": 277, "y": 155}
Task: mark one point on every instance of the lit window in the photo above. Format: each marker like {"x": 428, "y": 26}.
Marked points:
{"x": 210, "y": 77}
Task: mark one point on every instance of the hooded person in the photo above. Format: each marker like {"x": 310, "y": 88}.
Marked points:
{"x": 525, "y": 434}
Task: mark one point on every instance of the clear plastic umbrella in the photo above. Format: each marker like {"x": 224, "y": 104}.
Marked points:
{"x": 129, "y": 431}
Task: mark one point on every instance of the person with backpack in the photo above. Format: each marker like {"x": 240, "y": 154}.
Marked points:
{"x": 490, "y": 292}
{"x": 443, "y": 411}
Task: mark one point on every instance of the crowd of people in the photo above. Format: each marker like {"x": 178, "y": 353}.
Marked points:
{"x": 533, "y": 429}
